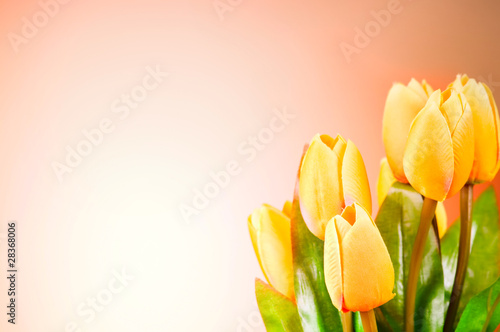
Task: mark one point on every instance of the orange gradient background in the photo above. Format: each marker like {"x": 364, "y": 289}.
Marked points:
{"x": 119, "y": 209}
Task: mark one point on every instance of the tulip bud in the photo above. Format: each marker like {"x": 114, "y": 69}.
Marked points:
{"x": 440, "y": 149}
{"x": 384, "y": 183}
{"x": 332, "y": 176}
{"x": 359, "y": 274}
{"x": 486, "y": 131}
{"x": 402, "y": 105}
{"x": 271, "y": 238}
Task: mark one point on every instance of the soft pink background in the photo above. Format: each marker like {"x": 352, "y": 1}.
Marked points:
{"x": 120, "y": 207}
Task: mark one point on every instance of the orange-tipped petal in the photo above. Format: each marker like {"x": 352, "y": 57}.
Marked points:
{"x": 287, "y": 209}
{"x": 402, "y": 105}
{"x": 368, "y": 273}
{"x": 320, "y": 188}
{"x": 349, "y": 214}
{"x": 462, "y": 134}
{"x": 428, "y": 160}
{"x": 333, "y": 264}
{"x": 271, "y": 237}
{"x": 385, "y": 180}
{"x": 354, "y": 178}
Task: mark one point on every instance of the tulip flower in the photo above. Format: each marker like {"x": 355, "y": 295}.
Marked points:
{"x": 437, "y": 162}
{"x": 401, "y": 107}
{"x": 332, "y": 176}
{"x": 385, "y": 181}
{"x": 486, "y": 131}
{"x": 485, "y": 167}
{"x": 271, "y": 238}
{"x": 440, "y": 148}
{"x": 359, "y": 274}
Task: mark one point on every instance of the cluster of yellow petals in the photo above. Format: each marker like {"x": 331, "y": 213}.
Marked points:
{"x": 435, "y": 140}
{"x": 439, "y": 141}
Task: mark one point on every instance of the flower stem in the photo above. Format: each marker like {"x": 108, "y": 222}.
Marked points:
{"x": 463, "y": 254}
{"x": 346, "y": 321}
{"x": 436, "y": 232}
{"x": 428, "y": 211}
{"x": 369, "y": 321}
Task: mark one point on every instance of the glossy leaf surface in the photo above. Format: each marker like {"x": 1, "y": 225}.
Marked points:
{"x": 278, "y": 312}
{"x": 482, "y": 313}
{"x": 398, "y": 222}
{"x": 315, "y": 307}
{"x": 483, "y": 268}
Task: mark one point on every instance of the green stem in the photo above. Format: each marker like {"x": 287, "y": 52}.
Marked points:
{"x": 428, "y": 211}
{"x": 369, "y": 321}
{"x": 463, "y": 255}
{"x": 346, "y": 321}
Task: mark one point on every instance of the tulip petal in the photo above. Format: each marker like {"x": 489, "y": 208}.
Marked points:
{"x": 421, "y": 89}
{"x": 287, "y": 209}
{"x": 333, "y": 264}
{"x": 451, "y": 108}
{"x": 463, "y": 148}
{"x": 497, "y": 123}
{"x": 402, "y": 105}
{"x": 343, "y": 227}
{"x": 385, "y": 180}
{"x": 354, "y": 178}
{"x": 428, "y": 160}
{"x": 274, "y": 247}
{"x": 320, "y": 188}
{"x": 368, "y": 273}
{"x": 254, "y": 237}
{"x": 485, "y": 132}
{"x": 349, "y": 214}
{"x": 442, "y": 219}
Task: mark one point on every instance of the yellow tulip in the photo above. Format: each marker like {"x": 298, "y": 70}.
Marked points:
{"x": 332, "y": 176}
{"x": 486, "y": 131}
{"x": 359, "y": 274}
{"x": 385, "y": 181}
{"x": 440, "y": 149}
{"x": 271, "y": 238}
{"x": 402, "y": 105}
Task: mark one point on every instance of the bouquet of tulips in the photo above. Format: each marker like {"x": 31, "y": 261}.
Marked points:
{"x": 330, "y": 266}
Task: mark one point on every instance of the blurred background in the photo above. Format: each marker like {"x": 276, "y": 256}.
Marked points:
{"x": 118, "y": 117}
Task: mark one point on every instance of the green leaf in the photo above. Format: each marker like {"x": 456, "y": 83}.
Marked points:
{"x": 482, "y": 313}
{"x": 278, "y": 312}
{"x": 315, "y": 307}
{"x": 398, "y": 221}
{"x": 484, "y": 261}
